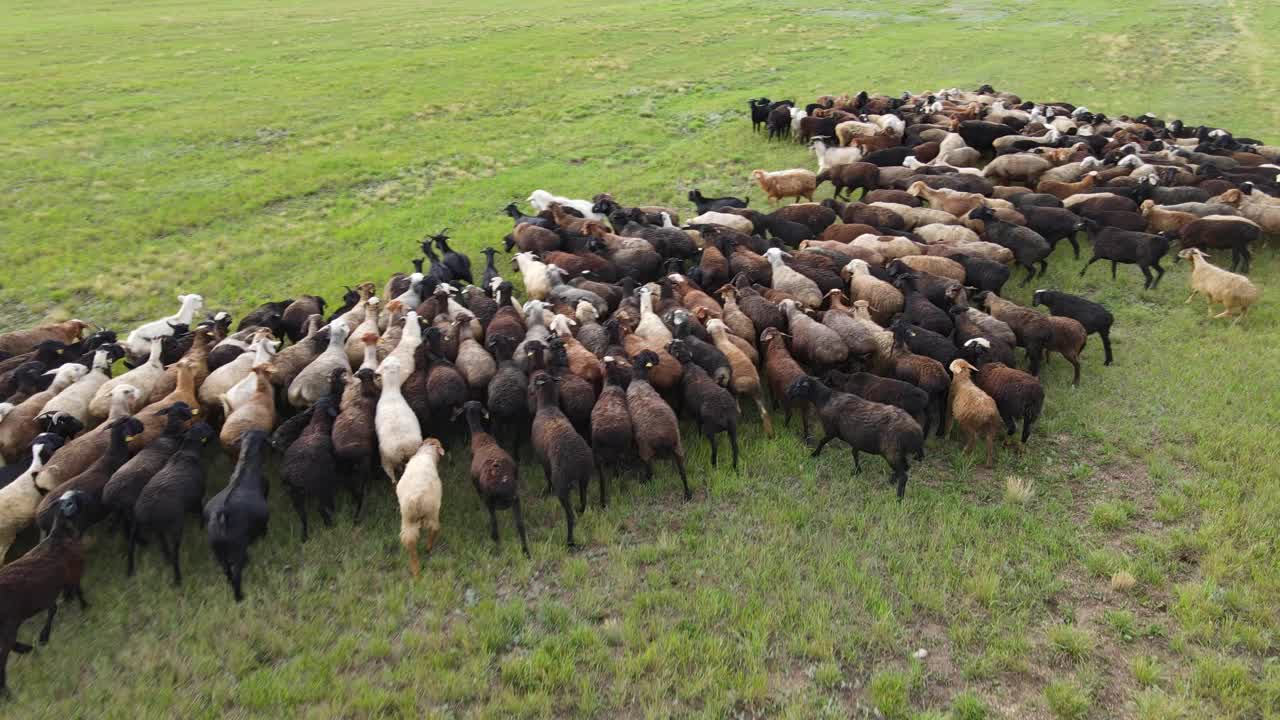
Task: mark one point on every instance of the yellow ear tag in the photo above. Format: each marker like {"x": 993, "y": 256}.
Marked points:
{"x": 195, "y": 411}
{"x": 128, "y": 438}
{"x": 648, "y": 365}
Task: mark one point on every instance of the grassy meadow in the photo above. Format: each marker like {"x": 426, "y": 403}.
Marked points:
{"x": 1124, "y": 565}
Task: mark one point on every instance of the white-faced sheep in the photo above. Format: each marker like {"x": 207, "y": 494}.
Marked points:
{"x": 1220, "y": 287}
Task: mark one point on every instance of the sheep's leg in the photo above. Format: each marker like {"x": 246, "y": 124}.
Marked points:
{"x": 1075, "y": 245}
{"x": 949, "y": 424}
{"x": 804, "y": 423}
{"x": 389, "y": 468}
{"x": 711, "y": 440}
{"x": 901, "y": 475}
{"x": 567, "y": 506}
{"x": 821, "y": 444}
{"x": 1159, "y": 274}
{"x": 1009, "y": 424}
{"x": 1247, "y": 258}
{"x": 604, "y": 492}
{"x": 1044, "y": 267}
{"x": 491, "y": 506}
{"x": 1075, "y": 366}
{"x": 764, "y": 414}
{"x": 48, "y": 623}
{"x": 300, "y": 507}
{"x": 857, "y": 461}
{"x": 1147, "y": 282}
{"x": 990, "y": 450}
{"x": 1106, "y": 346}
{"x": 133, "y": 545}
{"x": 432, "y": 532}
{"x": 415, "y": 563}
{"x": 1092, "y": 260}
{"x": 177, "y": 556}
{"x": 648, "y": 472}
{"x": 1113, "y": 270}
{"x": 519, "y": 516}
{"x": 1031, "y": 274}
{"x": 1190, "y": 297}
{"x": 786, "y": 417}
{"x": 684, "y": 478}
{"x": 733, "y": 445}
{"x": 234, "y": 575}
{"x": 1026, "y": 428}
{"x": 583, "y": 481}
{"x": 546, "y": 473}
{"x": 1224, "y": 313}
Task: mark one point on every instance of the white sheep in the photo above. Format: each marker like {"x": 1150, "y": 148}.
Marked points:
{"x": 541, "y": 200}
{"x": 395, "y": 423}
{"x": 1220, "y": 287}
{"x": 138, "y": 342}
{"x": 830, "y": 156}
{"x": 536, "y": 282}
{"x": 419, "y": 494}
{"x": 18, "y": 501}
{"x": 729, "y": 220}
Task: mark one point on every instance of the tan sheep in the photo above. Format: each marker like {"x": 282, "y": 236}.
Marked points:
{"x": 729, "y": 220}
{"x": 952, "y": 201}
{"x": 883, "y": 299}
{"x": 981, "y": 248}
{"x": 796, "y": 183}
{"x": 1021, "y": 167}
{"x": 1220, "y": 287}
{"x": 889, "y": 247}
{"x": 936, "y": 233}
{"x": 1160, "y": 220}
{"x": 914, "y": 217}
{"x": 935, "y": 265}
{"x": 974, "y": 410}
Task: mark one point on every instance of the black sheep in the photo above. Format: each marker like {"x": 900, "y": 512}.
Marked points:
{"x": 1028, "y": 247}
{"x": 490, "y": 271}
{"x": 982, "y": 273}
{"x": 268, "y": 315}
{"x": 866, "y": 426}
{"x": 759, "y": 112}
{"x": 1018, "y": 396}
{"x": 1094, "y": 317}
{"x": 1129, "y": 247}
{"x": 309, "y": 471}
{"x": 459, "y": 265}
{"x": 31, "y": 584}
{"x": 1055, "y": 224}
{"x": 172, "y": 493}
{"x": 886, "y": 391}
{"x": 237, "y": 515}
{"x": 706, "y": 204}
{"x": 714, "y": 407}
{"x": 923, "y": 341}
{"x": 565, "y": 457}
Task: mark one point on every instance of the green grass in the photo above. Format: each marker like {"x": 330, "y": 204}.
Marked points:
{"x": 247, "y": 150}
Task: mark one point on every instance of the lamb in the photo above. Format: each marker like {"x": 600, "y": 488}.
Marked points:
{"x": 1018, "y": 396}
{"x": 138, "y": 343}
{"x": 1130, "y": 247}
{"x": 715, "y": 409}
{"x": 419, "y": 493}
{"x": 495, "y": 475}
{"x": 1234, "y": 292}
{"x": 971, "y": 408}
{"x": 398, "y": 431}
{"x": 866, "y": 426}
{"x": 176, "y": 490}
{"x": 565, "y": 457}
{"x": 781, "y": 184}
{"x": 237, "y": 515}
{"x": 656, "y": 430}
{"x": 32, "y": 583}
{"x": 542, "y": 200}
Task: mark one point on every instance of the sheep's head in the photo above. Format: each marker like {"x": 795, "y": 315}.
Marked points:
{"x": 1192, "y": 255}
{"x": 432, "y": 447}
{"x": 802, "y": 388}
{"x": 961, "y": 368}
{"x": 856, "y": 267}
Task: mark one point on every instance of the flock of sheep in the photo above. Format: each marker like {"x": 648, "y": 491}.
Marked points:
{"x": 883, "y": 318}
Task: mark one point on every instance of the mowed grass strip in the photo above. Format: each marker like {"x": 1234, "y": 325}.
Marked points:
{"x": 1123, "y": 565}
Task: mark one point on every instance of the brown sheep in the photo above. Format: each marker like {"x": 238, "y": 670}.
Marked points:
{"x": 1068, "y": 341}
{"x": 783, "y": 184}
{"x": 974, "y": 410}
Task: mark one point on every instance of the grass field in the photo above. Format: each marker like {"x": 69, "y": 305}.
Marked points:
{"x": 248, "y": 150}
